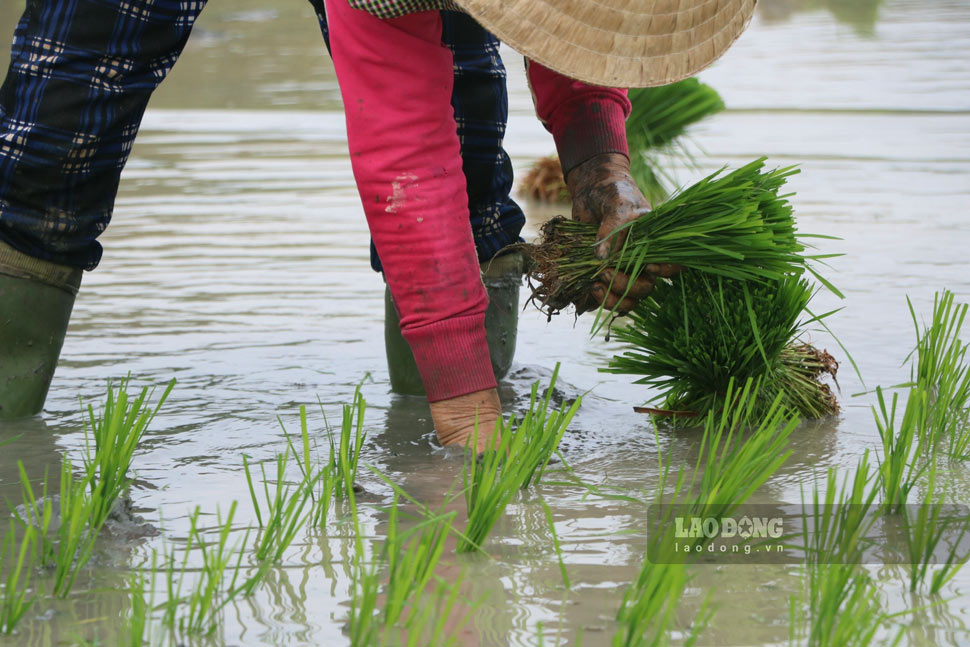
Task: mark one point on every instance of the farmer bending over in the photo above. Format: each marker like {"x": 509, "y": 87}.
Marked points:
{"x": 82, "y": 72}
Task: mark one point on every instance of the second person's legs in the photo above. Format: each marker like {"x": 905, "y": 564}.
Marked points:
{"x": 80, "y": 75}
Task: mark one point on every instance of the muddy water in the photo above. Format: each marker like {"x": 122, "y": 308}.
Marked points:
{"x": 237, "y": 263}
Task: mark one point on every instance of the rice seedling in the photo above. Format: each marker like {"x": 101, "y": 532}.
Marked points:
{"x": 844, "y": 608}
{"x": 415, "y": 606}
{"x": 116, "y": 431}
{"x": 290, "y": 506}
{"x": 734, "y": 225}
{"x": 286, "y": 510}
{"x": 37, "y": 515}
{"x": 345, "y": 451}
{"x": 516, "y": 457}
{"x": 900, "y": 467}
{"x": 834, "y": 527}
{"x": 319, "y": 482}
{"x": 363, "y": 624}
{"x": 841, "y": 600}
{"x": 214, "y": 583}
{"x": 138, "y": 624}
{"x": 555, "y": 542}
{"x": 411, "y": 558}
{"x": 74, "y": 536}
{"x": 926, "y": 527}
{"x": 437, "y": 617}
{"x": 937, "y": 411}
{"x": 840, "y": 604}
{"x": 943, "y": 372}
{"x": 659, "y": 119}
{"x": 647, "y": 614}
{"x": 692, "y": 337}
{"x": 17, "y": 563}
{"x": 64, "y": 536}
{"x": 742, "y": 447}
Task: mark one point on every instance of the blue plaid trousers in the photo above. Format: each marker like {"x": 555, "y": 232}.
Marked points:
{"x": 81, "y": 74}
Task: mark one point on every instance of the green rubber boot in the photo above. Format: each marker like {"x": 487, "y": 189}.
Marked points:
{"x": 502, "y": 277}
{"x": 36, "y": 298}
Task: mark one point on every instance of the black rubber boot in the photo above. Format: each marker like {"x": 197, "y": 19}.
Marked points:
{"x": 36, "y": 298}
{"x": 502, "y": 277}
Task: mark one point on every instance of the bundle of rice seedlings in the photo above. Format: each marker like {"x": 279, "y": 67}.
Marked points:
{"x": 693, "y": 336}
{"x": 734, "y": 225}
{"x": 659, "y": 119}
{"x": 660, "y": 116}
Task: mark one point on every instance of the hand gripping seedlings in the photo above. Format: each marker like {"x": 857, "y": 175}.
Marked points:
{"x": 734, "y": 225}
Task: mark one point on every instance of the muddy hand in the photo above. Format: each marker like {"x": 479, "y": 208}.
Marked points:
{"x": 455, "y": 418}
{"x": 604, "y": 193}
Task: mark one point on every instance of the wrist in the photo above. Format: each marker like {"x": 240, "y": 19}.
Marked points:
{"x": 598, "y": 167}
{"x": 594, "y": 128}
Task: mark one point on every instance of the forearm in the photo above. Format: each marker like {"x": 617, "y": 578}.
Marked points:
{"x": 585, "y": 120}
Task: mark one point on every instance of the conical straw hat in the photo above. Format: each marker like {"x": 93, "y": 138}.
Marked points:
{"x": 618, "y": 43}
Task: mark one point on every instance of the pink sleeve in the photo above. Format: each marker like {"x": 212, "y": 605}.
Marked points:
{"x": 585, "y": 120}
{"x": 396, "y": 80}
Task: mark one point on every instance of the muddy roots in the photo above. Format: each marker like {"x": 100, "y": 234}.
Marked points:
{"x": 803, "y": 367}
{"x": 562, "y": 266}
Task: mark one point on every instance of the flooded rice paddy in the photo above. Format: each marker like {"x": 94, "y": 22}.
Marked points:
{"x": 237, "y": 262}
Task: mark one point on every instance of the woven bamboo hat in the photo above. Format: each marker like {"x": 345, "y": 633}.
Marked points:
{"x": 619, "y": 43}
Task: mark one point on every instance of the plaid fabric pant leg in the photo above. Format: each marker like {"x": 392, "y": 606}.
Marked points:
{"x": 481, "y": 105}
{"x": 80, "y": 76}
